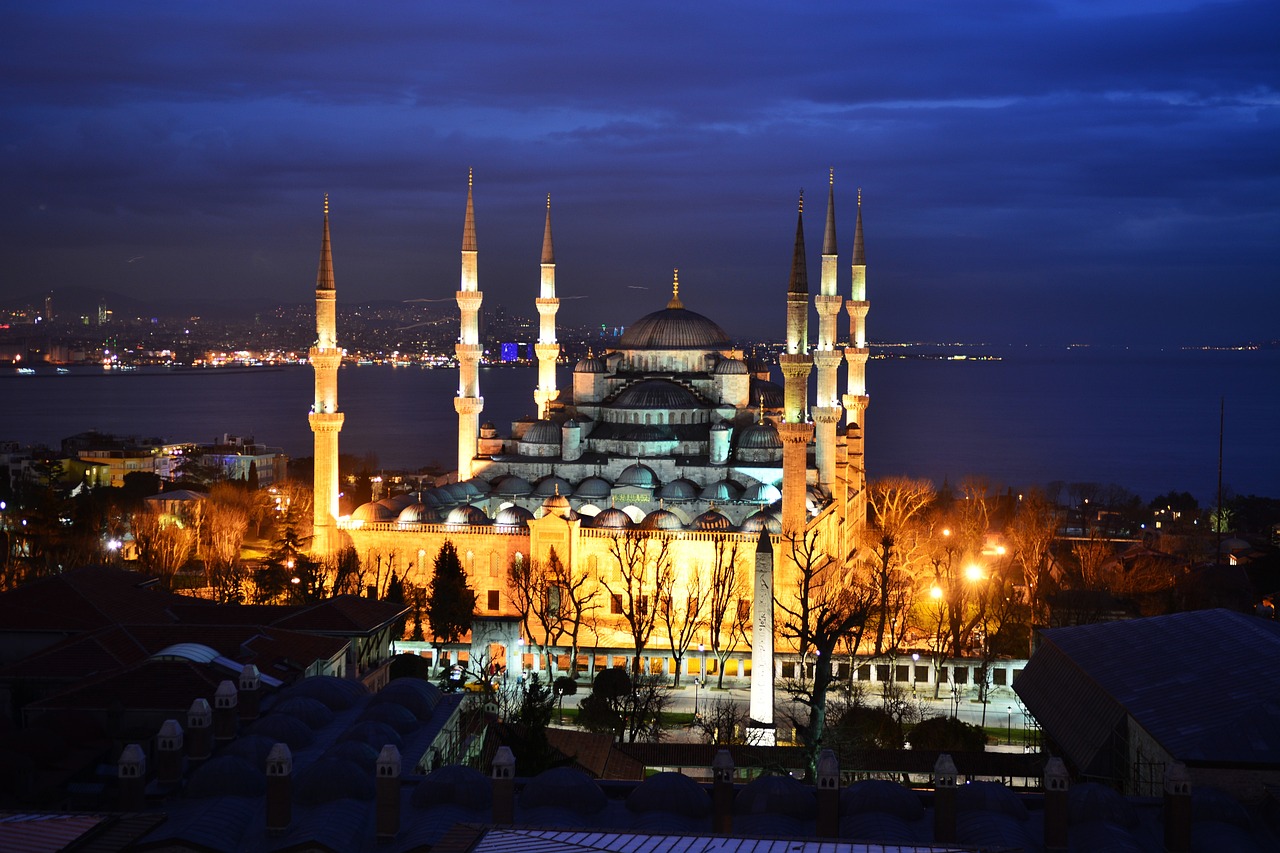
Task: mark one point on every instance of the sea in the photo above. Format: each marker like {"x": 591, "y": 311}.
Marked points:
{"x": 1144, "y": 419}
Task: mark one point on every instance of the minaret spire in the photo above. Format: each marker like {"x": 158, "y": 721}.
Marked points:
{"x": 325, "y": 419}
{"x": 546, "y": 348}
{"x": 795, "y": 430}
{"x": 826, "y": 410}
{"x": 468, "y": 403}
{"x": 856, "y": 400}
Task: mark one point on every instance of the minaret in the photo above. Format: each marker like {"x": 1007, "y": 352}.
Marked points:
{"x": 761, "y": 724}
{"x": 827, "y": 411}
{"x": 546, "y": 348}
{"x": 856, "y": 400}
{"x": 326, "y": 420}
{"x": 796, "y": 363}
{"x": 468, "y": 403}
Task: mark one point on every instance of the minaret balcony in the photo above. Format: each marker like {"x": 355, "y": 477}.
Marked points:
{"x": 826, "y": 414}
{"x": 857, "y": 355}
{"x": 326, "y": 421}
{"x": 468, "y": 352}
{"x": 547, "y": 306}
{"x": 469, "y": 300}
{"x": 858, "y": 309}
{"x": 827, "y": 306}
{"x": 468, "y": 405}
{"x": 796, "y": 365}
{"x": 547, "y": 352}
{"x": 827, "y": 359}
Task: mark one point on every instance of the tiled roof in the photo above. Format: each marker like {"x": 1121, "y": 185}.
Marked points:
{"x": 86, "y": 599}
{"x": 151, "y": 685}
{"x": 344, "y": 614}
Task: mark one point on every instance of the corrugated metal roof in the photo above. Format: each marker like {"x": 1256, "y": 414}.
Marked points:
{"x": 569, "y": 841}
{"x": 35, "y": 833}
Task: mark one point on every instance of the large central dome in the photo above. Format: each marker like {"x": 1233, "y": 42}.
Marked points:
{"x": 674, "y": 327}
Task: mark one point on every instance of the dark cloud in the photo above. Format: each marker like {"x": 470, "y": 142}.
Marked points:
{"x": 1022, "y": 162}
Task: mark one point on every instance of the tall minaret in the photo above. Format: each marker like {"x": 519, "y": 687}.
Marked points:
{"x": 827, "y": 411}
{"x": 796, "y": 364}
{"x": 762, "y": 675}
{"x": 468, "y": 403}
{"x": 326, "y": 420}
{"x": 856, "y": 400}
{"x": 546, "y": 347}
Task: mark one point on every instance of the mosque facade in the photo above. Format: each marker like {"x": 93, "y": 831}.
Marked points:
{"x": 671, "y": 437}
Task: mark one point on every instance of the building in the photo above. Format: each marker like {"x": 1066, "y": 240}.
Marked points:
{"x": 671, "y": 437}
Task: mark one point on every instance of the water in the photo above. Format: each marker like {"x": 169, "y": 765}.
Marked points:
{"x": 1144, "y": 420}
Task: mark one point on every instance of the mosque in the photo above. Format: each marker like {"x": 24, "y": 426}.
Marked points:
{"x": 672, "y": 436}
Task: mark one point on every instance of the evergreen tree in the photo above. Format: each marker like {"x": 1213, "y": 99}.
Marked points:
{"x": 252, "y": 476}
{"x": 451, "y": 603}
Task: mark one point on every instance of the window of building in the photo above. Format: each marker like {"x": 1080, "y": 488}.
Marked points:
{"x": 744, "y": 610}
{"x": 494, "y": 599}
{"x": 882, "y": 672}
{"x": 864, "y": 672}
{"x": 922, "y": 673}
{"x": 643, "y": 608}
{"x": 999, "y": 677}
{"x": 788, "y": 669}
{"x": 493, "y": 564}
{"x": 902, "y": 673}
{"x": 962, "y": 675}
{"x": 615, "y": 603}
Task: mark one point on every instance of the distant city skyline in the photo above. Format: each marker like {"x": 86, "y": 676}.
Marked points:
{"x": 1061, "y": 173}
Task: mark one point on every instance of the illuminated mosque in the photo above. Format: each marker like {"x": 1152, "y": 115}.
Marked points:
{"x": 671, "y": 434}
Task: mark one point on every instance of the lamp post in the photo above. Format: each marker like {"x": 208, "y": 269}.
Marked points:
{"x": 697, "y": 682}
{"x": 915, "y": 659}
{"x": 1009, "y": 722}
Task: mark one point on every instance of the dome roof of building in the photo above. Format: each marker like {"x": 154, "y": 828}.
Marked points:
{"x": 285, "y": 729}
{"x": 759, "y": 521}
{"x": 593, "y": 487}
{"x": 590, "y": 364}
{"x": 655, "y": 394}
{"x": 650, "y": 432}
{"x": 226, "y": 776}
{"x": 442, "y": 498}
{"x": 557, "y": 505}
{"x": 374, "y": 733}
{"x": 487, "y": 425}
{"x": 477, "y": 486}
{"x": 756, "y": 365}
{"x": 336, "y": 693}
{"x": 638, "y": 474}
{"x": 513, "y": 516}
{"x": 552, "y": 485}
{"x": 680, "y": 489}
{"x": 418, "y": 696}
{"x": 776, "y": 795}
{"x": 373, "y": 512}
{"x": 312, "y": 712}
{"x": 431, "y": 499}
{"x": 759, "y": 437}
{"x": 513, "y": 486}
{"x": 762, "y": 390}
{"x": 467, "y": 514}
{"x": 392, "y": 714}
{"x": 401, "y": 501}
{"x": 390, "y": 503}
{"x": 880, "y": 795}
{"x": 730, "y": 367}
{"x": 611, "y": 519}
{"x": 330, "y": 779}
{"x": 673, "y": 328}
{"x": 460, "y": 491}
{"x": 418, "y": 514}
{"x": 661, "y": 519}
{"x": 669, "y": 793}
{"x": 761, "y": 493}
{"x": 360, "y": 754}
{"x": 721, "y": 426}
{"x": 454, "y": 784}
{"x": 711, "y": 521}
{"x": 563, "y": 787}
{"x": 542, "y": 432}
{"x": 720, "y": 490}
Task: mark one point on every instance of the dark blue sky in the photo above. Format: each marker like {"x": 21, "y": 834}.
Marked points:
{"x": 1032, "y": 171}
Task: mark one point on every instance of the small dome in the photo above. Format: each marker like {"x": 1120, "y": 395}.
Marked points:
{"x": 487, "y": 425}
{"x": 442, "y": 498}
{"x": 681, "y": 489}
{"x": 390, "y": 503}
{"x": 542, "y": 432}
{"x": 776, "y": 795}
{"x": 418, "y": 514}
{"x": 557, "y": 505}
{"x": 638, "y": 475}
{"x": 360, "y": 754}
{"x": 611, "y": 519}
{"x": 669, "y": 793}
{"x": 312, "y": 712}
{"x": 478, "y": 487}
{"x": 467, "y": 515}
{"x": 374, "y": 733}
{"x": 593, "y": 488}
{"x": 454, "y": 784}
{"x": 721, "y": 490}
{"x": 460, "y": 491}
{"x": 418, "y": 696}
{"x": 759, "y": 521}
{"x": 392, "y": 714}
{"x": 513, "y": 486}
{"x": 552, "y": 485}
{"x": 281, "y": 728}
{"x": 759, "y": 437}
{"x": 226, "y": 776}
{"x": 730, "y": 367}
{"x": 655, "y": 394}
{"x": 721, "y": 426}
{"x": 711, "y": 522}
{"x": 336, "y": 693}
{"x": 373, "y": 512}
{"x": 563, "y": 788}
{"x": 401, "y": 501}
{"x": 770, "y": 393}
{"x": 513, "y": 516}
{"x": 590, "y": 364}
{"x": 330, "y": 779}
{"x": 761, "y": 493}
{"x": 661, "y": 519}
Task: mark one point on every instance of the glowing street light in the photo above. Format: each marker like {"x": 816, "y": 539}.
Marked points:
{"x": 973, "y": 572}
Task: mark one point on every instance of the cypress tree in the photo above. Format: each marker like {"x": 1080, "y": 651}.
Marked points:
{"x": 451, "y": 603}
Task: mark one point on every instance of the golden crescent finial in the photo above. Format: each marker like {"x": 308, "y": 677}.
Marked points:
{"x": 675, "y": 284}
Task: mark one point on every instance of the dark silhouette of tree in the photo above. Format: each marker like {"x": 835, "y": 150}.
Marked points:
{"x": 252, "y": 478}
{"x": 451, "y": 603}
{"x": 727, "y": 622}
{"x": 628, "y": 707}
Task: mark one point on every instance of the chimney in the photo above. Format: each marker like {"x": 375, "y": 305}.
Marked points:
{"x": 169, "y": 752}
{"x": 224, "y": 712}
{"x": 722, "y": 792}
{"x": 944, "y": 799}
{"x": 279, "y": 788}
{"x": 250, "y": 693}
{"x": 504, "y": 786}
{"x": 1177, "y": 808}
{"x": 828, "y": 795}
{"x": 131, "y": 771}
{"x": 199, "y": 730}
{"x": 1056, "y": 783}
{"x": 388, "y": 793}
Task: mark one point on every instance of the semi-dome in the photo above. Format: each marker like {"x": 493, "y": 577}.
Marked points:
{"x": 638, "y": 475}
{"x": 721, "y": 426}
{"x": 593, "y": 488}
{"x": 674, "y": 328}
{"x": 730, "y": 367}
{"x": 513, "y": 486}
{"x": 542, "y": 432}
{"x": 611, "y": 519}
{"x": 711, "y": 521}
{"x": 764, "y": 392}
{"x": 418, "y": 514}
{"x": 553, "y": 485}
{"x": 759, "y": 521}
{"x": 721, "y": 490}
{"x": 590, "y": 364}
{"x": 681, "y": 489}
{"x": 373, "y": 512}
{"x": 655, "y": 394}
{"x": 513, "y": 516}
{"x": 661, "y": 519}
{"x": 401, "y": 501}
{"x": 760, "y": 437}
{"x": 467, "y": 515}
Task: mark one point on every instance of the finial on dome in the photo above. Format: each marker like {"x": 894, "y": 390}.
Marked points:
{"x": 761, "y": 421}
{"x": 831, "y": 178}
{"x": 675, "y": 291}
{"x": 548, "y": 201}
{"x": 802, "y": 199}
{"x": 326, "y": 204}
{"x": 468, "y": 177}
{"x": 859, "y": 196}
{"x": 557, "y": 485}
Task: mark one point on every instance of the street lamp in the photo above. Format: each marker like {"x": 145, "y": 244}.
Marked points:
{"x": 1008, "y": 722}
{"x": 697, "y": 682}
{"x": 915, "y": 659}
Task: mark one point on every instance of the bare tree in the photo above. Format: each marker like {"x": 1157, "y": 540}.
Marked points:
{"x": 1091, "y": 555}
{"x": 727, "y": 624}
{"x": 682, "y": 619}
{"x": 1031, "y": 533}
{"x": 821, "y": 609}
{"x": 898, "y": 506}
{"x": 165, "y": 545}
{"x": 644, "y": 568}
{"x": 226, "y": 525}
{"x": 552, "y": 600}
